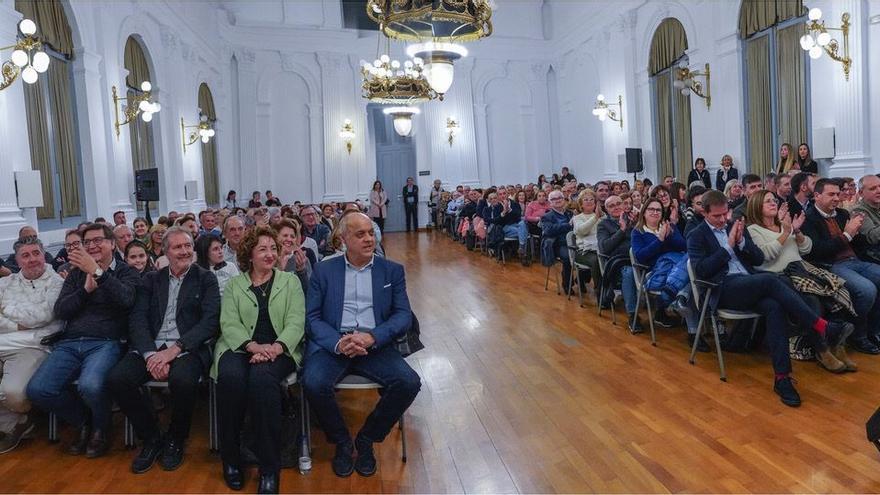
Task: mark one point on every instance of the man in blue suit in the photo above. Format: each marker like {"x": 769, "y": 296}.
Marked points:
{"x": 355, "y": 309}
{"x": 727, "y": 256}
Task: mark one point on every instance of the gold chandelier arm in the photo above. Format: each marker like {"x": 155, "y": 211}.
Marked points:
{"x": 9, "y": 73}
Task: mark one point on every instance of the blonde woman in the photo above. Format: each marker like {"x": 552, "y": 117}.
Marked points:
{"x": 787, "y": 160}
{"x": 585, "y": 226}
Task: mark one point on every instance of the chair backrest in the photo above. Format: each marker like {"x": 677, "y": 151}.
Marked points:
{"x": 602, "y": 258}
{"x": 636, "y": 268}
{"x": 571, "y": 242}
{"x": 695, "y": 289}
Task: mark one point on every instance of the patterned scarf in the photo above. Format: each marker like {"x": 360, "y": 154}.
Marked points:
{"x": 810, "y": 279}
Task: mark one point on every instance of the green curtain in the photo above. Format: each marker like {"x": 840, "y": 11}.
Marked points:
{"x": 52, "y": 26}
{"x": 136, "y": 64}
{"x": 141, "y": 138}
{"x": 682, "y": 134}
{"x": 206, "y": 102}
{"x": 663, "y": 88}
{"x": 759, "y": 118}
{"x": 758, "y": 15}
{"x": 209, "y": 150}
{"x": 668, "y": 45}
{"x": 791, "y": 85}
{"x": 64, "y": 137}
{"x": 38, "y": 134}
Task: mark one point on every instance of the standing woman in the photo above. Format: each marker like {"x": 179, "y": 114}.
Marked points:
{"x": 700, "y": 174}
{"x": 262, "y": 323}
{"x": 726, "y": 173}
{"x": 209, "y": 255}
{"x": 542, "y": 179}
{"x": 805, "y": 160}
{"x": 378, "y": 205}
{"x": 786, "y": 160}
{"x": 231, "y": 203}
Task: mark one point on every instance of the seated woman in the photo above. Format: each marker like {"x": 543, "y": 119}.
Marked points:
{"x": 779, "y": 237}
{"x": 154, "y": 245}
{"x": 262, "y": 324}
{"x": 658, "y": 244}
{"x": 136, "y": 257}
{"x": 141, "y": 228}
{"x": 209, "y": 255}
{"x": 734, "y": 192}
{"x": 669, "y": 203}
{"x": 585, "y": 228}
{"x": 294, "y": 259}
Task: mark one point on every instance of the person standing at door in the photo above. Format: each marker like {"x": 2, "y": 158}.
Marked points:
{"x": 378, "y": 205}
{"x": 411, "y": 204}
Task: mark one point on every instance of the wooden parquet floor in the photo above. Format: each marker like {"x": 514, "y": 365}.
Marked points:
{"x": 523, "y": 391}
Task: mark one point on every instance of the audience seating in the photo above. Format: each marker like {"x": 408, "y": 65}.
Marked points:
{"x": 640, "y": 274}
{"x": 571, "y": 243}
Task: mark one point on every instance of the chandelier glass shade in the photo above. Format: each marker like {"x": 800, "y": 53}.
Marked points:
{"x": 27, "y": 58}
{"x": 439, "y": 59}
{"x": 402, "y": 118}
{"x": 437, "y": 20}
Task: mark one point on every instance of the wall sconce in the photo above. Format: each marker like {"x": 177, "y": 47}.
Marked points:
{"x": 818, "y": 39}
{"x": 452, "y": 129}
{"x": 685, "y": 82}
{"x": 603, "y": 110}
{"x": 27, "y": 57}
{"x": 204, "y": 132}
{"x": 402, "y": 118}
{"x": 347, "y": 134}
{"x": 137, "y": 104}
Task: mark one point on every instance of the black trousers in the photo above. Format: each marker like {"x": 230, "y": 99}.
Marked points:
{"x": 256, "y": 388}
{"x": 380, "y": 221}
{"x": 125, "y": 383}
{"x": 411, "y": 211}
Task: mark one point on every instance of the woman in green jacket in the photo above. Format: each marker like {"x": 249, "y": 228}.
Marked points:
{"x": 262, "y": 323}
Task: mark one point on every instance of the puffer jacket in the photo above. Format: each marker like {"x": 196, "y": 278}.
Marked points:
{"x": 28, "y": 303}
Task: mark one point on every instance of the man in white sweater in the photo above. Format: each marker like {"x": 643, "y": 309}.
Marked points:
{"x": 26, "y": 302}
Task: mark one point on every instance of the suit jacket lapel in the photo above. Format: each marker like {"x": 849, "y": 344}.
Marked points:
{"x": 163, "y": 293}
{"x": 378, "y": 276}
{"x": 337, "y": 290}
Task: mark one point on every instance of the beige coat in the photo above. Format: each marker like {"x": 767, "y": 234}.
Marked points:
{"x": 377, "y": 205}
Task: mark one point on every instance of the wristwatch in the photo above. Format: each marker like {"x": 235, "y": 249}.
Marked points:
{"x": 98, "y": 272}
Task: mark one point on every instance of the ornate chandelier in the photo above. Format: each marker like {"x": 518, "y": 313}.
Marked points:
{"x": 447, "y": 21}
{"x": 389, "y": 81}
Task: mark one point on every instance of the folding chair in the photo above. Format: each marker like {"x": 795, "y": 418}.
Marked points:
{"x": 128, "y": 429}
{"x": 603, "y": 259}
{"x": 571, "y": 243}
{"x": 507, "y": 240}
{"x": 640, "y": 274}
{"x": 702, "y": 301}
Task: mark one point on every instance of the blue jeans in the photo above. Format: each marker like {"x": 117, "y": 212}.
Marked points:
{"x": 628, "y": 287}
{"x": 322, "y": 370}
{"x": 83, "y": 359}
{"x": 512, "y": 231}
{"x": 522, "y": 232}
{"x": 862, "y": 281}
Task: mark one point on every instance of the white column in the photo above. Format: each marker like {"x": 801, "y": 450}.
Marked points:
{"x": 247, "y": 127}
{"x": 94, "y": 131}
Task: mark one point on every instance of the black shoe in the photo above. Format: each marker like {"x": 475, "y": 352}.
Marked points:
{"x": 233, "y": 477}
{"x": 172, "y": 455}
{"x": 269, "y": 482}
{"x": 78, "y": 447}
{"x": 875, "y": 339}
{"x": 662, "y": 319}
{"x": 702, "y": 346}
{"x": 366, "y": 460}
{"x": 837, "y": 331}
{"x": 343, "y": 461}
{"x": 863, "y": 345}
{"x": 635, "y": 325}
{"x": 147, "y": 456}
{"x": 787, "y": 393}
{"x": 99, "y": 444}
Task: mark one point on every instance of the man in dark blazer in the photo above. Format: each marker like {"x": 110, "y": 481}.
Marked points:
{"x": 726, "y": 256}
{"x": 175, "y": 317}
{"x": 836, "y": 240}
{"x": 411, "y": 204}
{"x": 356, "y": 307}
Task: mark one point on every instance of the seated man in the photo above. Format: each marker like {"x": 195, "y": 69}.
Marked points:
{"x": 751, "y": 184}
{"x": 728, "y": 258}
{"x": 869, "y": 207}
{"x": 176, "y": 314}
{"x": 355, "y": 309}
{"x": 95, "y": 301}
{"x": 233, "y": 231}
{"x": 315, "y": 230}
{"x": 26, "y": 302}
{"x": 801, "y": 195}
{"x": 694, "y": 213}
{"x": 614, "y": 234}
{"x": 26, "y": 231}
{"x": 555, "y": 226}
{"x": 836, "y": 239}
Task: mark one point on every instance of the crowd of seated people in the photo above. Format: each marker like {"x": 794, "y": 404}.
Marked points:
{"x": 244, "y": 297}
{"x": 801, "y": 250}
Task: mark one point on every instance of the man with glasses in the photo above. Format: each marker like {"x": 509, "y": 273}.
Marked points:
{"x": 26, "y": 302}
{"x": 95, "y": 301}
{"x": 555, "y": 225}
{"x": 316, "y": 230}
{"x": 614, "y": 234}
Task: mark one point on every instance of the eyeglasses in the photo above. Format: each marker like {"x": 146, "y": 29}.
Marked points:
{"x": 556, "y": 198}
{"x": 653, "y": 210}
{"x": 93, "y": 241}
{"x": 72, "y": 245}
{"x": 698, "y": 203}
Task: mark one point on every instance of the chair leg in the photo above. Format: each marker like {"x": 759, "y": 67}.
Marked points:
{"x": 718, "y": 348}
{"x": 305, "y": 447}
{"x": 572, "y": 275}
{"x": 214, "y": 436}
{"x": 402, "y": 435}
{"x": 53, "y": 428}
{"x": 558, "y": 277}
{"x": 705, "y": 306}
{"x": 650, "y": 315}
{"x": 128, "y": 435}
{"x": 613, "y": 312}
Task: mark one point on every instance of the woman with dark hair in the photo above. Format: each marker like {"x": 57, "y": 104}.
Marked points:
{"x": 294, "y": 258}
{"x": 255, "y": 200}
{"x": 209, "y": 255}
{"x": 231, "y": 203}
{"x": 542, "y": 179}
{"x": 669, "y": 203}
{"x": 262, "y": 325}
{"x": 805, "y": 160}
{"x": 378, "y": 205}
{"x": 137, "y": 257}
{"x": 521, "y": 200}
{"x": 700, "y": 174}
{"x": 556, "y": 181}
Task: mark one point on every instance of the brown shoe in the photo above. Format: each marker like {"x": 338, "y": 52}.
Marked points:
{"x": 839, "y": 352}
{"x": 828, "y": 361}
{"x": 79, "y": 445}
{"x": 98, "y": 445}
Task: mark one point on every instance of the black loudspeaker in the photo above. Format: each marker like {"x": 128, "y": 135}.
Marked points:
{"x": 634, "y": 163}
{"x": 146, "y": 184}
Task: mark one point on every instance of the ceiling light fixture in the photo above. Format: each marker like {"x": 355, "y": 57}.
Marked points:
{"x": 138, "y": 103}
{"x": 603, "y": 109}
{"x": 436, "y": 20}
{"x": 203, "y": 132}
{"x": 402, "y": 118}
{"x": 819, "y": 40}
{"x": 27, "y": 59}
{"x": 439, "y": 58}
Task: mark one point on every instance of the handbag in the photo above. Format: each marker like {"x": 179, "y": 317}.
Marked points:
{"x": 410, "y": 342}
